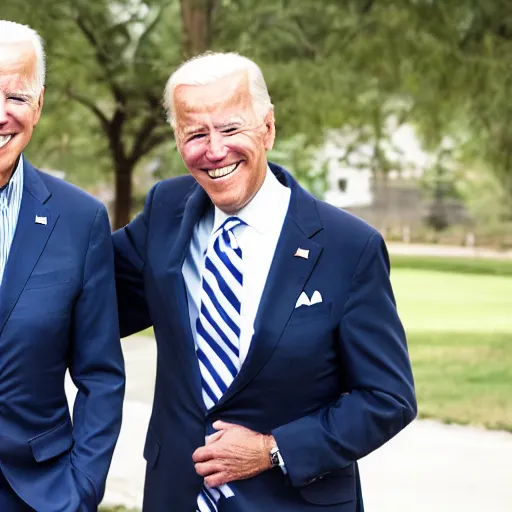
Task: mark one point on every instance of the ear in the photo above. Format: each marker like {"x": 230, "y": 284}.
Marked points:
{"x": 270, "y": 130}
{"x": 39, "y": 106}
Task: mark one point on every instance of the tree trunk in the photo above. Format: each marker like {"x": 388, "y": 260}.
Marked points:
{"x": 123, "y": 197}
{"x": 196, "y": 33}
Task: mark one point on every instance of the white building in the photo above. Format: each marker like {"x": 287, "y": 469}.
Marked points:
{"x": 350, "y": 177}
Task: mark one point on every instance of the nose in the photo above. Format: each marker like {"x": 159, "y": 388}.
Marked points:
{"x": 217, "y": 150}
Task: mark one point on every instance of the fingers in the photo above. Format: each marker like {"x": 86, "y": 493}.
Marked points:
{"x": 207, "y": 468}
{"x": 224, "y": 425}
{"x": 217, "y": 479}
{"x": 214, "y": 437}
{"x": 202, "y": 454}
{"x": 213, "y": 473}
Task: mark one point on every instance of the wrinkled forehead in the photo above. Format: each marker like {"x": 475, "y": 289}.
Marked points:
{"x": 226, "y": 97}
{"x": 18, "y": 62}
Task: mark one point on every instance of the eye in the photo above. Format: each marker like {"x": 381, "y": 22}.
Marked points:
{"x": 196, "y": 136}
{"x": 17, "y": 99}
{"x": 229, "y": 130}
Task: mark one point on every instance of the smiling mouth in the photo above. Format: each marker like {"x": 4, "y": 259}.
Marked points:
{"x": 223, "y": 171}
{"x": 4, "y": 139}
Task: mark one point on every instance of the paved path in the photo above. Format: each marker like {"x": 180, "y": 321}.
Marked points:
{"x": 427, "y": 468}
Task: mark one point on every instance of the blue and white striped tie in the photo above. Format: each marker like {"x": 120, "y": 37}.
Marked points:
{"x": 218, "y": 329}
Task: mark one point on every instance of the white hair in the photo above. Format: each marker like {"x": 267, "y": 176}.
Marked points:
{"x": 209, "y": 67}
{"x": 11, "y": 32}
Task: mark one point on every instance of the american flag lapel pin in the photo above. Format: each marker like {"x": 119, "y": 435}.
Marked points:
{"x": 41, "y": 220}
{"x": 302, "y": 253}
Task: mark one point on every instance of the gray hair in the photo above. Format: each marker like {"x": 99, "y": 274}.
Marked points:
{"x": 208, "y": 68}
{"x": 11, "y": 32}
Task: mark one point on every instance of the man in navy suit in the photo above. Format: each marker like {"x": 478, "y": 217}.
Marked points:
{"x": 57, "y": 312}
{"x": 281, "y": 356}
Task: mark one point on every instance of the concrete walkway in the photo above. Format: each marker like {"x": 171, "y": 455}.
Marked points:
{"x": 427, "y": 468}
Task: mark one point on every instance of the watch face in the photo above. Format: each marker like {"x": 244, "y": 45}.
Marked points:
{"x": 274, "y": 457}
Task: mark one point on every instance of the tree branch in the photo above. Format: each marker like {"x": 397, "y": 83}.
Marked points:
{"x": 151, "y": 26}
{"x": 102, "y": 59}
{"x": 91, "y": 38}
{"x": 152, "y": 121}
{"x": 366, "y": 6}
{"x": 86, "y": 102}
{"x": 144, "y": 132}
{"x": 155, "y": 140}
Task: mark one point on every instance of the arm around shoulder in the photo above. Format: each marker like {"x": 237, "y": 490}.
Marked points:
{"x": 130, "y": 246}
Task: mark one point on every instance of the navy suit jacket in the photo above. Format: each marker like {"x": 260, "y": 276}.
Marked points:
{"x": 332, "y": 382}
{"x": 58, "y": 312}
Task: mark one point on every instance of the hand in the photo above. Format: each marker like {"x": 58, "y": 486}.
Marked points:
{"x": 232, "y": 453}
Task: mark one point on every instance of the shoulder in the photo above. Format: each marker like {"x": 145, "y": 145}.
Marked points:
{"x": 347, "y": 234}
{"x": 168, "y": 196}
{"x": 334, "y": 218}
{"x": 339, "y": 229}
{"x": 69, "y": 196}
{"x": 178, "y": 187}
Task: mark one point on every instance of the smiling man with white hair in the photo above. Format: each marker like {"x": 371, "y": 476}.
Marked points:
{"x": 281, "y": 356}
{"x": 22, "y": 76}
{"x": 57, "y": 312}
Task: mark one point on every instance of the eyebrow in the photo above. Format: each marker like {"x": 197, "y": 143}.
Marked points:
{"x": 231, "y": 121}
{"x": 193, "y": 129}
{"x": 20, "y": 94}
{"x": 228, "y": 124}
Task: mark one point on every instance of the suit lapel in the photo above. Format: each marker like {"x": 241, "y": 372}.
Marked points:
{"x": 29, "y": 240}
{"x": 286, "y": 280}
{"x": 172, "y": 287}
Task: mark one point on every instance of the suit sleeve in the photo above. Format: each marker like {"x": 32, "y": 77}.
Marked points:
{"x": 96, "y": 363}
{"x": 130, "y": 245}
{"x": 380, "y": 400}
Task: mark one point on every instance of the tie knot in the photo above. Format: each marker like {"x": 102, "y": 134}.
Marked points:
{"x": 231, "y": 223}
{"x": 226, "y": 231}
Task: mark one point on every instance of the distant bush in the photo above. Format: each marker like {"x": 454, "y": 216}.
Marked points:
{"x": 449, "y": 264}
{"x": 496, "y": 236}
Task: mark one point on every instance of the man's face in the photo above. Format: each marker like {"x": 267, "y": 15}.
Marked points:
{"x": 222, "y": 142}
{"x": 19, "y": 107}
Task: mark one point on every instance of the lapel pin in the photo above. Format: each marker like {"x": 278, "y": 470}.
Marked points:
{"x": 302, "y": 253}
{"x": 41, "y": 220}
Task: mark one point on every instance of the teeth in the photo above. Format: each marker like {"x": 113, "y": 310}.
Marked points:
{"x": 4, "y": 139}
{"x": 223, "y": 171}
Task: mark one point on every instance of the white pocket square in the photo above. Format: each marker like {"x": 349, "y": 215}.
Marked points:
{"x": 304, "y": 300}
{"x": 316, "y": 298}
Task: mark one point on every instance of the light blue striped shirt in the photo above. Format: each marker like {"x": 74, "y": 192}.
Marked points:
{"x": 10, "y": 201}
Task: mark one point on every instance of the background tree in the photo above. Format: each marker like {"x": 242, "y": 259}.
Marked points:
{"x": 342, "y": 64}
{"x": 108, "y": 63}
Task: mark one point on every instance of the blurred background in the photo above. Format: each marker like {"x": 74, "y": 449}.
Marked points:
{"x": 399, "y": 111}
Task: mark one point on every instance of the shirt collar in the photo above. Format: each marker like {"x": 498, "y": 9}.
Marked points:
{"x": 6, "y": 194}
{"x": 257, "y": 213}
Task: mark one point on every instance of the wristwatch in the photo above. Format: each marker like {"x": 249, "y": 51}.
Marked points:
{"x": 275, "y": 457}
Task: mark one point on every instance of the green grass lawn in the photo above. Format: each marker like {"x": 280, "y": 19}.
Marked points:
{"x": 459, "y": 328}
